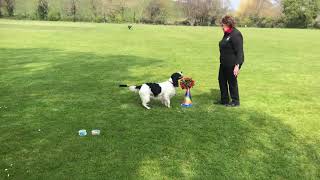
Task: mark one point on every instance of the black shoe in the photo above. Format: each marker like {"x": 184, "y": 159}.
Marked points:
{"x": 221, "y": 103}
{"x": 233, "y": 104}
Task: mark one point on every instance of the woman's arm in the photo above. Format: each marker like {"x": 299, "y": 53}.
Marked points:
{"x": 237, "y": 43}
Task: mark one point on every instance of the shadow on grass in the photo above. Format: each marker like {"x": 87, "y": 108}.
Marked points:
{"x": 61, "y": 92}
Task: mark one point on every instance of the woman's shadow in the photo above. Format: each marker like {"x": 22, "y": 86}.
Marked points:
{"x": 215, "y": 94}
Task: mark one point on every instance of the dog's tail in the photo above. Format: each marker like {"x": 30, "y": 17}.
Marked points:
{"x": 131, "y": 88}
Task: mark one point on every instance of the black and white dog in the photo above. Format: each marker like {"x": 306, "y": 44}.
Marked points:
{"x": 162, "y": 91}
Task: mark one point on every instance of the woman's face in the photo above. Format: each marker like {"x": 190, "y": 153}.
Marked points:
{"x": 225, "y": 27}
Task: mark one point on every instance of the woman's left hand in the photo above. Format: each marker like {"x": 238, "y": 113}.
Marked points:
{"x": 236, "y": 70}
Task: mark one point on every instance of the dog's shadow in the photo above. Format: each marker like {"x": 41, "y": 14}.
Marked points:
{"x": 213, "y": 95}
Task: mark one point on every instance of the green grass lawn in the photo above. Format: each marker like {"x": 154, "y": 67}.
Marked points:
{"x": 61, "y": 77}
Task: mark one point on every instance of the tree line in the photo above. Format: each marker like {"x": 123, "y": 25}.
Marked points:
{"x": 280, "y": 13}
{"x": 257, "y": 13}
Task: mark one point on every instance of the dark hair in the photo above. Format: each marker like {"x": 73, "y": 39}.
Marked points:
{"x": 229, "y": 21}
{"x": 175, "y": 79}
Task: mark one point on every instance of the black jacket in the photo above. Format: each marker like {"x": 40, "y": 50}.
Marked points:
{"x": 231, "y": 48}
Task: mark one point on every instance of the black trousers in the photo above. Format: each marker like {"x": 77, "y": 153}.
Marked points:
{"x": 227, "y": 79}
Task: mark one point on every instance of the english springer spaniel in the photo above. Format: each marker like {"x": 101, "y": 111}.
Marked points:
{"x": 162, "y": 91}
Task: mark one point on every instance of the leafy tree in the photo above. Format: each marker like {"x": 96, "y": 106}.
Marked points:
{"x": 43, "y": 9}
{"x": 203, "y": 12}
{"x": 300, "y": 13}
{"x": 94, "y": 7}
{"x": 0, "y": 8}
{"x": 10, "y": 6}
{"x": 156, "y": 11}
{"x": 73, "y": 9}
{"x": 260, "y": 8}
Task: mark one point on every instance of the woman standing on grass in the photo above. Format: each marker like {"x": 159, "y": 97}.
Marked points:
{"x": 231, "y": 59}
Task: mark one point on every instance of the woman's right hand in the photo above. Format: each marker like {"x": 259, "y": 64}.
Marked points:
{"x": 236, "y": 70}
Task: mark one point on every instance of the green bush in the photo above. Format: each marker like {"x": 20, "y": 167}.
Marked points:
{"x": 245, "y": 22}
{"x": 118, "y": 18}
{"x": 1, "y": 14}
{"x": 21, "y": 16}
{"x": 33, "y": 16}
{"x": 54, "y": 16}
{"x": 70, "y": 18}
{"x": 317, "y": 22}
{"x": 263, "y": 22}
{"x": 99, "y": 19}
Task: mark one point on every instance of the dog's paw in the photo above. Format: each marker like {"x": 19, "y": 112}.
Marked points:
{"x": 147, "y": 107}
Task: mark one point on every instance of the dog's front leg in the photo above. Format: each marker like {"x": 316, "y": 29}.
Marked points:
{"x": 168, "y": 103}
{"x": 163, "y": 101}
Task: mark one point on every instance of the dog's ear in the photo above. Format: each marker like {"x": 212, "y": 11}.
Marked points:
{"x": 175, "y": 79}
{"x": 175, "y": 83}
